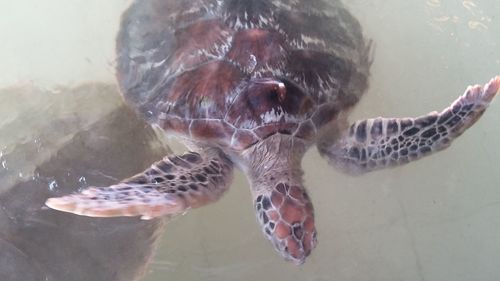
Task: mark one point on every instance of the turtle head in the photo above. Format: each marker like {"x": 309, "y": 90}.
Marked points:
{"x": 287, "y": 219}
{"x": 282, "y": 205}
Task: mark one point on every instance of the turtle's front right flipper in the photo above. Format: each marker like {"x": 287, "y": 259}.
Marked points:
{"x": 382, "y": 142}
{"x": 169, "y": 186}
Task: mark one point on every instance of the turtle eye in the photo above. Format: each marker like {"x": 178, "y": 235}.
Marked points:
{"x": 279, "y": 91}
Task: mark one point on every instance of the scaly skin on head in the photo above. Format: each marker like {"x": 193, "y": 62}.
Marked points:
{"x": 281, "y": 202}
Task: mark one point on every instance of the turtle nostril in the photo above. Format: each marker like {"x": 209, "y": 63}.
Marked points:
{"x": 298, "y": 231}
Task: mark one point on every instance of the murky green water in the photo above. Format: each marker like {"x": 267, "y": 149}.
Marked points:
{"x": 435, "y": 219}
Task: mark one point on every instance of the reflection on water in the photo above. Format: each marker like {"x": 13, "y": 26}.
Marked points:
{"x": 55, "y": 144}
{"x": 435, "y": 219}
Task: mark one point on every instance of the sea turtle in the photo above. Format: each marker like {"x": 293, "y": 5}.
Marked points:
{"x": 254, "y": 84}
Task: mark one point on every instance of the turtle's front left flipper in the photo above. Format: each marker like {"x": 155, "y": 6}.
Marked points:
{"x": 383, "y": 142}
{"x": 169, "y": 186}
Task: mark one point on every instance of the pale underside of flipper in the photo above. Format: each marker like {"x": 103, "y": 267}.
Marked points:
{"x": 168, "y": 187}
{"x": 374, "y": 144}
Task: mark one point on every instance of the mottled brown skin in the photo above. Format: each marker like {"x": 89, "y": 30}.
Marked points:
{"x": 287, "y": 216}
{"x": 255, "y": 84}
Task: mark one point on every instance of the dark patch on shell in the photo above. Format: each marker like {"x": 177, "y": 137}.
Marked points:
{"x": 254, "y": 49}
{"x": 247, "y": 13}
{"x": 203, "y": 35}
{"x": 202, "y": 92}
